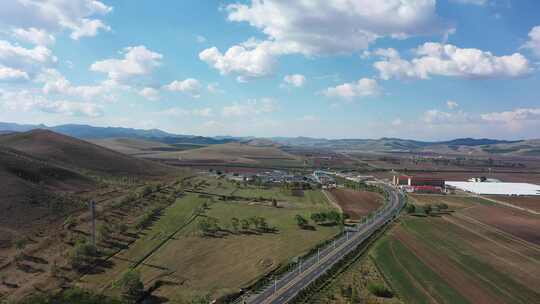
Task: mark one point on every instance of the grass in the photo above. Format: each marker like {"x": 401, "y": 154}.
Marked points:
{"x": 189, "y": 265}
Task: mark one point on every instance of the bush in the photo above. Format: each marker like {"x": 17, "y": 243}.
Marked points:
{"x": 380, "y": 290}
{"x": 131, "y": 285}
{"x": 411, "y": 208}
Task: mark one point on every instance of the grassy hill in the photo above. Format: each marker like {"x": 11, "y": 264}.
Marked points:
{"x": 78, "y": 154}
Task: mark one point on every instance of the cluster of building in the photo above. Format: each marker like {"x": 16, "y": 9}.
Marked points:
{"x": 476, "y": 185}
{"x": 419, "y": 184}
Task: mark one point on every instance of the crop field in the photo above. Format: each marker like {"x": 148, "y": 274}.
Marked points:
{"x": 528, "y": 202}
{"x": 457, "y": 259}
{"x": 453, "y": 201}
{"x": 356, "y": 204}
{"x": 182, "y": 264}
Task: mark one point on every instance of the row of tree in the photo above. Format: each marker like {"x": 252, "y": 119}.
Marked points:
{"x": 210, "y": 225}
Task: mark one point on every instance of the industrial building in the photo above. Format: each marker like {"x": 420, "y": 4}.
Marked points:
{"x": 414, "y": 181}
{"x": 496, "y": 188}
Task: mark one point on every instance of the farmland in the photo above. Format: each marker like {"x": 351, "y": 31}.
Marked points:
{"x": 463, "y": 257}
{"x": 356, "y": 204}
{"x": 528, "y": 202}
{"x": 181, "y": 264}
{"x": 454, "y": 256}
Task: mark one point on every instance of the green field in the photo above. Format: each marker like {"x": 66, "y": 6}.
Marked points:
{"x": 430, "y": 259}
{"x": 189, "y": 265}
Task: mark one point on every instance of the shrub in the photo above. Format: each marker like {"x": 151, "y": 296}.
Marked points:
{"x": 379, "y": 290}
{"x": 131, "y": 285}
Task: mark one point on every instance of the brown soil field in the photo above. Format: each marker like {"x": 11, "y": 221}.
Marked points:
{"x": 453, "y": 201}
{"x": 529, "y": 202}
{"x": 357, "y": 204}
{"x": 515, "y": 222}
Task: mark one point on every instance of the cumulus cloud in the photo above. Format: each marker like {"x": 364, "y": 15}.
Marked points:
{"x": 149, "y": 93}
{"x": 448, "y": 60}
{"x": 27, "y": 60}
{"x": 248, "y": 60}
{"x": 190, "y": 86}
{"x": 364, "y": 87}
{"x": 319, "y": 27}
{"x": 138, "y": 61}
{"x": 27, "y": 101}
{"x": 54, "y": 83}
{"x": 34, "y": 36}
{"x": 250, "y": 108}
{"x": 7, "y": 73}
{"x": 296, "y": 80}
{"x": 77, "y": 16}
{"x": 337, "y": 26}
{"x": 534, "y": 41}
{"x": 452, "y": 104}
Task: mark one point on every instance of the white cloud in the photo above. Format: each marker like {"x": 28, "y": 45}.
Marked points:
{"x": 534, "y": 41}
{"x": 248, "y": 60}
{"x": 56, "y": 84}
{"x": 200, "y": 39}
{"x": 364, "y": 87}
{"x": 77, "y": 16}
{"x": 452, "y": 104}
{"x": 89, "y": 28}
{"x": 436, "y": 117}
{"x": 34, "y": 36}
{"x": 28, "y": 60}
{"x": 7, "y": 73}
{"x": 190, "y": 86}
{"x": 138, "y": 61}
{"x": 310, "y": 118}
{"x": 149, "y": 93}
{"x": 180, "y": 112}
{"x": 318, "y": 27}
{"x": 214, "y": 88}
{"x": 449, "y": 60}
{"x": 250, "y": 108}
{"x": 26, "y": 101}
{"x": 296, "y": 80}
{"x": 337, "y": 26}
{"x": 510, "y": 117}
{"x": 473, "y": 2}
{"x": 397, "y": 122}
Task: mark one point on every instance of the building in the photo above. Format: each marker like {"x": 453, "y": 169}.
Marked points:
{"x": 414, "y": 181}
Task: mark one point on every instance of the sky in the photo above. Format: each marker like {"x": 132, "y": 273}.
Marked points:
{"x": 419, "y": 69}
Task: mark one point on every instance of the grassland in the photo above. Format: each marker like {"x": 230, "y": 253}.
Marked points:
{"x": 184, "y": 265}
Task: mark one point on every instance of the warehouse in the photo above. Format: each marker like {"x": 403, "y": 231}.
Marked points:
{"x": 496, "y": 188}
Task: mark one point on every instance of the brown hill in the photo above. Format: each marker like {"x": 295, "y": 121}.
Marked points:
{"x": 28, "y": 187}
{"x": 78, "y": 154}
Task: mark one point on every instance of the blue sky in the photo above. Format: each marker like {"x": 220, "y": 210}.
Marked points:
{"x": 420, "y": 69}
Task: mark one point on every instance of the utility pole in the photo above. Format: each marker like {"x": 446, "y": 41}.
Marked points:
{"x": 318, "y": 255}
{"x": 275, "y": 285}
{"x": 92, "y": 206}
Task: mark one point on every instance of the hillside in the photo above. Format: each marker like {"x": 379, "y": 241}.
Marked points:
{"x": 28, "y": 185}
{"x": 78, "y": 154}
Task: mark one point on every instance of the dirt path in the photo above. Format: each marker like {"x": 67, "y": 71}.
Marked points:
{"x": 458, "y": 279}
{"x": 332, "y": 201}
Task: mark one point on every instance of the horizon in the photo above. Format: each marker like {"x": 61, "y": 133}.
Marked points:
{"x": 432, "y": 75}
{"x": 272, "y": 137}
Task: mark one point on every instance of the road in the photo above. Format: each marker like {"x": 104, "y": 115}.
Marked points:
{"x": 285, "y": 288}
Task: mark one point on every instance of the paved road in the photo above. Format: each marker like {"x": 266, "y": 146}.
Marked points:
{"x": 291, "y": 283}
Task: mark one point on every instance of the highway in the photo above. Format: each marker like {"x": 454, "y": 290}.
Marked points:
{"x": 286, "y": 287}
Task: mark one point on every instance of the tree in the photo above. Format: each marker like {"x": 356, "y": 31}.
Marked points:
{"x": 301, "y": 221}
{"x": 411, "y": 208}
{"x": 131, "y": 285}
{"x": 104, "y": 232}
{"x": 235, "y": 223}
{"x": 245, "y": 224}
{"x": 274, "y": 203}
{"x": 443, "y": 206}
{"x": 427, "y": 209}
